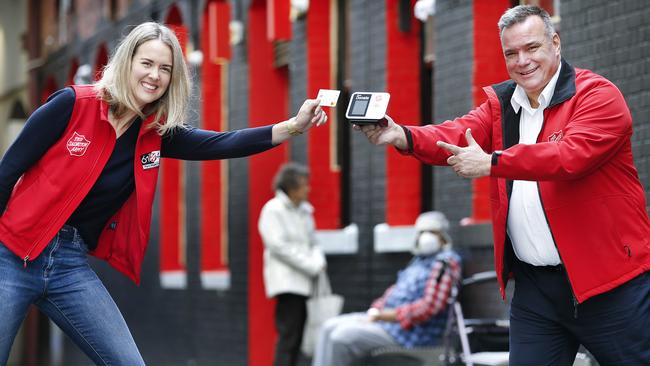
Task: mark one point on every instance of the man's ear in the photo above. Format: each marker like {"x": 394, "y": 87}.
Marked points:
{"x": 557, "y": 43}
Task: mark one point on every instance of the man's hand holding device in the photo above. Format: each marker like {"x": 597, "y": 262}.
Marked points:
{"x": 367, "y": 112}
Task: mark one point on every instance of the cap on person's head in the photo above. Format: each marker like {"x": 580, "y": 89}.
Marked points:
{"x": 433, "y": 221}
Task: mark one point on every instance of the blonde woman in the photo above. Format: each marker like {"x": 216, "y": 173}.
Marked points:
{"x": 81, "y": 177}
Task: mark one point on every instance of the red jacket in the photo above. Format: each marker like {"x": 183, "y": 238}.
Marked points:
{"x": 588, "y": 185}
{"x": 51, "y": 190}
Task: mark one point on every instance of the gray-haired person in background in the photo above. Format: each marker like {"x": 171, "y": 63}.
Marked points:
{"x": 291, "y": 257}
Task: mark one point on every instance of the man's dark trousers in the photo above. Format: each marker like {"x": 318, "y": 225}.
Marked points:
{"x": 546, "y": 328}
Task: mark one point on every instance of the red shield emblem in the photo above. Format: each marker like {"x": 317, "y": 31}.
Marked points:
{"x": 77, "y": 144}
{"x": 556, "y": 136}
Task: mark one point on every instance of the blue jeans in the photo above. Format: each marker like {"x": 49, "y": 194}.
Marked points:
{"x": 64, "y": 287}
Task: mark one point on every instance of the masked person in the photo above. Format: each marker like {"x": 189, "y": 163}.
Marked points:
{"x": 411, "y": 313}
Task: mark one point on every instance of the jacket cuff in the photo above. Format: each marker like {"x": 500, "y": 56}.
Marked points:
{"x": 499, "y": 164}
{"x": 495, "y": 157}
{"x": 409, "y": 142}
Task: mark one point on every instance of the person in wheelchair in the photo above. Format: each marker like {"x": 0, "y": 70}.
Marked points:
{"x": 411, "y": 313}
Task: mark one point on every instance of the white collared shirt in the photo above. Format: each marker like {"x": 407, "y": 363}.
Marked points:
{"x": 527, "y": 225}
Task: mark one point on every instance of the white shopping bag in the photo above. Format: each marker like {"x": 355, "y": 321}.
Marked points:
{"x": 321, "y": 306}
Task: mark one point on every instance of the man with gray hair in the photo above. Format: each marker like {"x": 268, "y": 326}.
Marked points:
{"x": 568, "y": 208}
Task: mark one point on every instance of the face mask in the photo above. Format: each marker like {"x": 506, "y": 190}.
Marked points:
{"x": 428, "y": 243}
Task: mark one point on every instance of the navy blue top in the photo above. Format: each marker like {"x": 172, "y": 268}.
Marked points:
{"x": 116, "y": 182}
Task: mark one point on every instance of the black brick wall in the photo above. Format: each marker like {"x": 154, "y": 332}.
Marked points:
{"x": 352, "y": 276}
{"x": 611, "y": 38}
{"x": 452, "y": 97}
{"x": 233, "y": 340}
{"x": 298, "y": 85}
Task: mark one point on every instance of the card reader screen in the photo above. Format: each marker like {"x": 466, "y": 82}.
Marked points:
{"x": 359, "y": 106}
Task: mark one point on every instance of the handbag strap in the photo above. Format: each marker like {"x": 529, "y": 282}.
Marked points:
{"x": 322, "y": 285}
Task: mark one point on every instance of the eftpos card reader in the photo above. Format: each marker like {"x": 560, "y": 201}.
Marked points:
{"x": 367, "y": 107}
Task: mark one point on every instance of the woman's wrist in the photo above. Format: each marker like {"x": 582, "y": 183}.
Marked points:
{"x": 291, "y": 127}
{"x": 284, "y": 130}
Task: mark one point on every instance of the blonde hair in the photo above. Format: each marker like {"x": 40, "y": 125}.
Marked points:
{"x": 113, "y": 87}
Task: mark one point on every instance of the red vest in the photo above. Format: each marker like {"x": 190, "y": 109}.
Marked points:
{"x": 48, "y": 193}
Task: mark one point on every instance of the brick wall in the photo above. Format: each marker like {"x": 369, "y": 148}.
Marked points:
{"x": 612, "y": 39}
{"x": 233, "y": 348}
{"x": 452, "y": 97}
{"x": 298, "y": 85}
{"x": 363, "y": 277}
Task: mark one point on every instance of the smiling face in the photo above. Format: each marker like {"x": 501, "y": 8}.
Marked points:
{"x": 531, "y": 57}
{"x": 151, "y": 70}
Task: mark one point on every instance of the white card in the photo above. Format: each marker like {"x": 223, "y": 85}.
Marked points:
{"x": 328, "y": 97}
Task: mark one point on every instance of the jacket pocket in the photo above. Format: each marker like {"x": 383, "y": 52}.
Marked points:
{"x": 631, "y": 224}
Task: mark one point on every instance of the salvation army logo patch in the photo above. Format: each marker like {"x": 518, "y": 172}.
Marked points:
{"x": 556, "y": 136}
{"x": 150, "y": 160}
{"x": 77, "y": 144}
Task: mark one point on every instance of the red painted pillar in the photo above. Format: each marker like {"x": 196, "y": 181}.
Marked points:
{"x": 324, "y": 169}
{"x": 214, "y": 183}
{"x": 278, "y": 22}
{"x": 403, "y": 183}
{"x": 268, "y": 102}
{"x": 172, "y": 197}
{"x": 489, "y": 68}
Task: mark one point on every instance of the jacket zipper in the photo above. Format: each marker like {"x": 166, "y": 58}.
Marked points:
{"x": 504, "y": 276}
{"x": 541, "y": 202}
{"x": 573, "y": 295}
